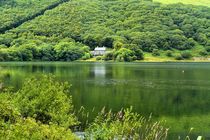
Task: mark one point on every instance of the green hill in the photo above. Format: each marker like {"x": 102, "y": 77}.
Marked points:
{"x": 15, "y": 12}
{"x": 127, "y": 27}
{"x": 193, "y": 2}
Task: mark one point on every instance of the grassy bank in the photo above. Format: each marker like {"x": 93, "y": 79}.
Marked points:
{"x": 150, "y": 58}
{"x": 193, "y": 2}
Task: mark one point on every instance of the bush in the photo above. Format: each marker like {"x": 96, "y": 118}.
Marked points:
{"x": 179, "y": 57}
{"x": 137, "y": 51}
{"x": 125, "y": 125}
{"x": 86, "y": 56}
{"x": 108, "y": 56}
{"x": 68, "y": 51}
{"x": 118, "y": 45}
{"x": 124, "y": 54}
{"x": 46, "y": 101}
{"x": 169, "y": 53}
{"x": 203, "y": 53}
{"x": 186, "y": 55}
{"x": 8, "y": 111}
{"x": 98, "y": 58}
{"x": 40, "y": 110}
{"x": 155, "y": 52}
{"x": 208, "y": 48}
{"x": 26, "y": 129}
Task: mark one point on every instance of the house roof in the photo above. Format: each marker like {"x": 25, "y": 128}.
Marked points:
{"x": 100, "y": 49}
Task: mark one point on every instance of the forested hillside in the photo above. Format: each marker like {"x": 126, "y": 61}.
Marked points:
{"x": 128, "y": 27}
{"x": 14, "y": 12}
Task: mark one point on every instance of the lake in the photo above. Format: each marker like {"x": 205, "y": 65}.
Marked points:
{"x": 176, "y": 92}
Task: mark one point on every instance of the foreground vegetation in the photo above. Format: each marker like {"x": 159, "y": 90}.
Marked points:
{"x": 42, "y": 109}
{"x": 129, "y": 28}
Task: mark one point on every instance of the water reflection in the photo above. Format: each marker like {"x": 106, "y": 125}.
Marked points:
{"x": 162, "y": 89}
{"x": 99, "y": 70}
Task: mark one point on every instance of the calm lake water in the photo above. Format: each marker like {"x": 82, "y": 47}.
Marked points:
{"x": 176, "y": 92}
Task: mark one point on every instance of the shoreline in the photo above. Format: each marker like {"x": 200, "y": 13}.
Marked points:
{"x": 101, "y": 61}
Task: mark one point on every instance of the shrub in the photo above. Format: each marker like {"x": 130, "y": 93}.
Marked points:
{"x": 46, "y": 101}
{"x": 98, "y": 58}
{"x": 186, "y": 55}
{"x": 179, "y": 57}
{"x": 208, "y": 48}
{"x": 155, "y": 52}
{"x": 137, "y": 51}
{"x": 68, "y": 51}
{"x": 120, "y": 58}
{"x": 125, "y": 125}
{"x": 118, "y": 45}
{"x": 8, "y": 111}
{"x": 203, "y": 53}
{"x": 169, "y": 53}
{"x": 86, "y": 56}
{"x": 26, "y": 129}
{"x": 40, "y": 110}
{"x": 108, "y": 56}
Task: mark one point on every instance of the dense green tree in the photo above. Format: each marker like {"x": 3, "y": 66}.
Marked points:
{"x": 13, "y": 12}
{"x": 68, "y": 51}
{"x": 113, "y": 24}
{"x": 124, "y": 54}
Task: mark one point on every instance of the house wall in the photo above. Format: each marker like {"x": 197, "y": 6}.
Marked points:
{"x": 99, "y": 52}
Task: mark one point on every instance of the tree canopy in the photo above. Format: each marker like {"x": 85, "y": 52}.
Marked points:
{"x": 116, "y": 24}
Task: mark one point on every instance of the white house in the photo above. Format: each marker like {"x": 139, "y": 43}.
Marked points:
{"x": 99, "y": 51}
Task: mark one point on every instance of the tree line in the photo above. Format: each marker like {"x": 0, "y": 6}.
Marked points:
{"x": 15, "y": 12}
{"x": 128, "y": 27}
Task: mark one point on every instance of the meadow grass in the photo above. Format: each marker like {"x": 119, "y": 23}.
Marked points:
{"x": 193, "y": 2}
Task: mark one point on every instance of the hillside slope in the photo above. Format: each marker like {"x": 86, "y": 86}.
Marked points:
{"x": 125, "y": 26}
{"x": 15, "y": 12}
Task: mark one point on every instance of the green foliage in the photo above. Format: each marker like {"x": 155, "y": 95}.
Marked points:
{"x": 183, "y": 55}
{"x": 179, "y": 57}
{"x": 186, "y": 55}
{"x": 193, "y": 2}
{"x": 118, "y": 45}
{"x": 207, "y": 48}
{"x": 114, "y": 24}
{"x": 46, "y": 101}
{"x": 29, "y": 128}
{"x": 169, "y": 53}
{"x": 12, "y": 12}
{"x": 8, "y": 111}
{"x": 62, "y": 51}
{"x": 137, "y": 51}
{"x": 109, "y": 56}
{"x": 124, "y": 54}
{"x": 41, "y": 109}
{"x": 203, "y": 53}
{"x": 125, "y": 125}
{"x": 98, "y": 58}
{"x": 155, "y": 52}
{"x": 66, "y": 51}
{"x": 86, "y": 56}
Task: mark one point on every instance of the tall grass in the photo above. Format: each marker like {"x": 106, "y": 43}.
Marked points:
{"x": 193, "y": 2}
{"x": 125, "y": 125}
